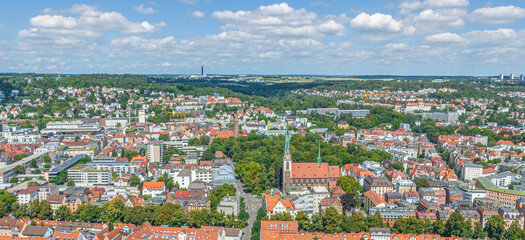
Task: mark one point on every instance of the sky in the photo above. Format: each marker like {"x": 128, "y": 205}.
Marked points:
{"x": 338, "y": 37}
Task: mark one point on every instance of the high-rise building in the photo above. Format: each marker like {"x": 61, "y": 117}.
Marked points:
{"x": 511, "y": 76}
{"x": 501, "y": 77}
{"x": 522, "y": 77}
{"x": 155, "y": 152}
{"x": 142, "y": 116}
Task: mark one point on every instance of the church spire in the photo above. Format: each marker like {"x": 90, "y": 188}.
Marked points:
{"x": 287, "y": 141}
{"x": 319, "y": 155}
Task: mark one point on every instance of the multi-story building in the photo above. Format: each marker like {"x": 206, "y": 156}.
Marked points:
{"x": 471, "y": 171}
{"x": 87, "y": 175}
{"x": 405, "y": 185}
{"x": 471, "y": 194}
{"x": 28, "y": 195}
{"x": 155, "y": 152}
{"x": 153, "y": 189}
{"x": 505, "y": 196}
{"x": 453, "y": 195}
{"x": 510, "y": 215}
{"x": 273, "y": 203}
{"x": 391, "y": 213}
{"x": 46, "y": 191}
{"x": 379, "y": 185}
{"x": 113, "y": 165}
{"x": 319, "y": 193}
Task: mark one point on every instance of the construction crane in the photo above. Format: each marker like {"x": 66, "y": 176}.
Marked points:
{"x": 178, "y": 112}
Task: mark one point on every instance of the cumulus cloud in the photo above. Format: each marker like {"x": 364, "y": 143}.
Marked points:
{"x": 82, "y": 21}
{"x": 378, "y": 23}
{"x": 502, "y": 35}
{"x": 142, "y": 9}
{"x": 197, "y": 14}
{"x": 445, "y": 38}
{"x": 278, "y": 21}
{"x": 143, "y": 44}
{"x": 320, "y": 4}
{"x": 431, "y": 20}
{"x": 497, "y": 15}
{"x": 408, "y": 6}
{"x": 446, "y": 3}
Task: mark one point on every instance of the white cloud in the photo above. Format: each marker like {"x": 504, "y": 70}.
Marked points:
{"x": 409, "y": 6}
{"x": 446, "y": 3}
{"x": 143, "y": 44}
{"x": 445, "y": 38}
{"x": 497, "y": 15}
{"x": 502, "y": 35}
{"x": 82, "y": 21}
{"x": 189, "y": 1}
{"x": 279, "y": 21}
{"x": 320, "y": 4}
{"x": 197, "y": 14}
{"x": 142, "y": 9}
{"x": 379, "y": 23}
{"x": 434, "y": 20}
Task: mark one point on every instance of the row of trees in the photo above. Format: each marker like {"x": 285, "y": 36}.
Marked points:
{"x": 169, "y": 214}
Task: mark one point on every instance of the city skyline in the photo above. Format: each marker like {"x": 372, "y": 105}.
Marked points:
{"x": 429, "y": 37}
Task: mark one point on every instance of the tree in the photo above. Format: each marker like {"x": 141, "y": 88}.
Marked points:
{"x": 515, "y": 232}
{"x": 409, "y": 225}
{"x": 331, "y": 220}
{"x": 9, "y": 199}
{"x": 478, "y": 230}
{"x": 349, "y": 184}
{"x": 164, "y": 137}
{"x": 134, "y": 180}
{"x": 19, "y": 169}
{"x": 422, "y": 183}
{"x": 354, "y": 223}
{"x": 87, "y": 213}
{"x": 135, "y": 215}
{"x": 348, "y": 201}
{"x": 455, "y": 225}
{"x": 4, "y": 211}
{"x": 43, "y": 210}
{"x": 33, "y": 163}
{"x": 376, "y": 221}
{"x": 33, "y": 184}
{"x": 13, "y": 180}
{"x": 70, "y": 183}
{"x": 495, "y": 227}
{"x": 302, "y": 219}
{"x": 110, "y": 213}
{"x": 398, "y": 165}
{"x": 20, "y": 156}
{"x": 218, "y": 193}
{"x": 438, "y": 227}
{"x": 46, "y": 159}
{"x": 63, "y": 213}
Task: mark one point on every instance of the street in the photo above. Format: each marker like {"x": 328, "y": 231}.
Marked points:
{"x": 252, "y": 204}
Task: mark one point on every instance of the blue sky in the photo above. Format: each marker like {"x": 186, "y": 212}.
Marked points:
{"x": 400, "y": 37}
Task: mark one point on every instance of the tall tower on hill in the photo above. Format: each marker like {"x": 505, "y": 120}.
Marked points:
{"x": 287, "y": 162}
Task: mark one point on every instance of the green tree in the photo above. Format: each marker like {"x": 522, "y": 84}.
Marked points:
{"x": 4, "y": 211}
{"x": 9, "y": 199}
{"x": 398, "y": 165}
{"x": 375, "y": 221}
{"x": 422, "y": 183}
{"x": 63, "y": 213}
{"x": 44, "y": 211}
{"x": 70, "y": 183}
{"x": 515, "y": 231}
{"x": 331, "y": 220}
{"x": 218, "y": 193}
{"x": 495, "y": 227}
{"x": 302, "y": 219}
{"x": 19, "y": 169}
{"x": 349, "y": 184}
{"x": 478, "y": 230}
{"x": 455, "y": 225}
{"x": 354, "y": 223}
{"x": 409, "y": 225}
{"x": 88, "y": 213}
{"x": 438, "y": 227}
{"x": 110, "y": 213}
{"x": 164, "y": 137}
{"x": 135, "y": 215}
{"x": 33, "y": 163}
{"x": 13, "y": 180}
{"x": 20, "y": 156}
{"x": 134, "y": 180}
{"x": 46, "y": 159}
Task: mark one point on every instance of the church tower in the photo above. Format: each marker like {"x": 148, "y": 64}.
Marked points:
{"x": 287, "y": 162}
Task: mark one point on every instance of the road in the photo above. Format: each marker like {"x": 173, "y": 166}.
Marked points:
{"x": 252, "y": 204}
